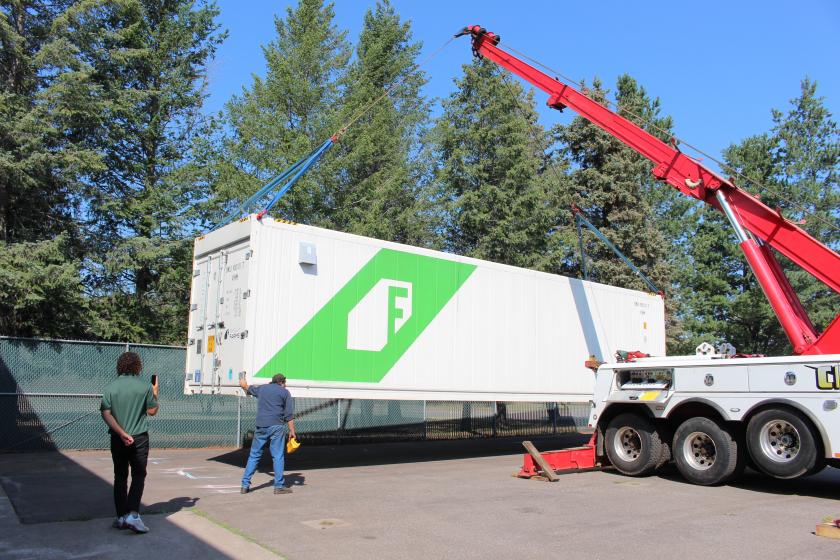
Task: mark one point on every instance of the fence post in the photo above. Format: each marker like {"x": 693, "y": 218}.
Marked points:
{"x": 425, "y": 430}
{"x": 236, "y": 441}
{"x": 338, "y": 421}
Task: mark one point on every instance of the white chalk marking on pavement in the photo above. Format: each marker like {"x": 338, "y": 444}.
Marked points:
{"x": 192, "y": 476}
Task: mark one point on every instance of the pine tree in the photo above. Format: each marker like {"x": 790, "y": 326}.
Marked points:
{"x": 492, "y": 154}
{"x": 30, "y": 190}
{"x": 139, "y": 64}
{"x": 283, "y": 117}
{"x": 793, "y": 167}
{"x": 377, "y": 191}
{"x": 41, "y": 292}
{"x": 612, "y": 185}
{"x": 41, "y": 159}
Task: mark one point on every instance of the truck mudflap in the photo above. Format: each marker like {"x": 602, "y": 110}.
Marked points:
{"x": 549, "y": 464}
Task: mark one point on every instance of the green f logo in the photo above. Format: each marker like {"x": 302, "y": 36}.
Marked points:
{"x": 379, "y": 315}
{"x": 372, "y": 320}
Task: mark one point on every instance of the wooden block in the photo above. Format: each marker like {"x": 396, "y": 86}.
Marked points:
{"x": 548, "y": 472}
{"x": 829, "y": 530}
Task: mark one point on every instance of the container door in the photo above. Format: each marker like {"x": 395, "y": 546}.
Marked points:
{"x": 230, "y": 329}
{"x": 205, "y": 329}
{"x": 203, "y": 284}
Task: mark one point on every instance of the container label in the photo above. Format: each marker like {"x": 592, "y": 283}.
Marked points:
{"x": 368, "y": 325}
{"x": 379, "y": 315}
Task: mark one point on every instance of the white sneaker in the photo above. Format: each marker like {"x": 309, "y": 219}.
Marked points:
{"x": 133, "y": 522}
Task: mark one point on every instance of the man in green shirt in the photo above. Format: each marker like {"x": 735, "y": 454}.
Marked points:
{"x": 127, "y": 403}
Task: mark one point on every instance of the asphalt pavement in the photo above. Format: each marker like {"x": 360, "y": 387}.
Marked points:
{"x": 410, "y": 500}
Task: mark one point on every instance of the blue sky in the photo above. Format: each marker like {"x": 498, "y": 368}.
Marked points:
{"x": 718, "y": 67}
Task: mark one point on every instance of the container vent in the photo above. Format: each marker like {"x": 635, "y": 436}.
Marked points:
{"x": 307, "y": 253}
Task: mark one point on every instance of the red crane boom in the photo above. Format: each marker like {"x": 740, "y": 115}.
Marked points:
{"x": 767, "y": 227}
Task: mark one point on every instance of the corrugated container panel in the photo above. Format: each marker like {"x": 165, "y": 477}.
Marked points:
{"x": 343, "y": 316}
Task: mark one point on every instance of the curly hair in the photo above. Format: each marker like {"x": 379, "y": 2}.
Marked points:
{"x": 280, "y": 379}
{"x": 129, "y": 363}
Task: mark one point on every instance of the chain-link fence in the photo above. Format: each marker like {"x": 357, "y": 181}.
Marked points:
{"x": 50, "y": 394}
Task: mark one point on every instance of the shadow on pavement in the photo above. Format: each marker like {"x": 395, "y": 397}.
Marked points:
{"x": 355, "y": 455}
{"x": 825, "y": 484}
{"x": 48, "y": 487}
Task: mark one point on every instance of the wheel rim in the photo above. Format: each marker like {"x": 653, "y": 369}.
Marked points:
{"x": 627, "y": 443}
{"x": 779, "y": 441}
{"x": 699, "y": 451}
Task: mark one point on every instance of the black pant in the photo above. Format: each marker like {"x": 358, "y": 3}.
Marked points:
{"x": 137, "y": 455}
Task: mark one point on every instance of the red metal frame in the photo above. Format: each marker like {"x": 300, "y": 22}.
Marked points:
{"x": 694, "y": 180}
{"x": 573, "y": 459}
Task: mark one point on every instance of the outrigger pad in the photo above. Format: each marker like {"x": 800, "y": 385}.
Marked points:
{"x": 548, "y": 463}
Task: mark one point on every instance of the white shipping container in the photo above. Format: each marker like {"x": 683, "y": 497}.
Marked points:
{"x": 344, "y": 316}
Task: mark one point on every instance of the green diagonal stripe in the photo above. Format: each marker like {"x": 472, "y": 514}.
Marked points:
{"x": 318, "y": 351}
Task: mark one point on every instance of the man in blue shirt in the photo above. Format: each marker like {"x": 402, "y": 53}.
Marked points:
{"x": 275, "y": 419}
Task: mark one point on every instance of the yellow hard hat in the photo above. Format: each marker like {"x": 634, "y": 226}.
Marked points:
{"x": 292, "y": 445}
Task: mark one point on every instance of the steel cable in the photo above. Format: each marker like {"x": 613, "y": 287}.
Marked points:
{"x": 655, "y": 127}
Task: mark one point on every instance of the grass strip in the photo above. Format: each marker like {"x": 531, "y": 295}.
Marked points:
{"x": 234, "y": 530}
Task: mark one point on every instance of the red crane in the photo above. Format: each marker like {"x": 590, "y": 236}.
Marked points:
{"x": 757, "y": 226}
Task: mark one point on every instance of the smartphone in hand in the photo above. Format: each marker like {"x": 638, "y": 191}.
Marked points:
{"x": 154, "y": 379}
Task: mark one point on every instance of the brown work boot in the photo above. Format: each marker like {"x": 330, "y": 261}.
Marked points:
{"x": 282, "y": 490}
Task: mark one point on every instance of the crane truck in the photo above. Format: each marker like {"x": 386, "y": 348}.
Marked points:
{"x": 713, "y": 412}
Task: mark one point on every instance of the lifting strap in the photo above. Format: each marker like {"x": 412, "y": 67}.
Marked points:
{"x": 579, "y": 219}
{"x": 290, "y": 175}
{"x": 301, "y": 166}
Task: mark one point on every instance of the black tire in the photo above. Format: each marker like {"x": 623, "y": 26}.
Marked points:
{"x": 818, "y": 467}
{"x": 706, "y": 452}
{"x": 666, "y": 434}
{"x": 633, "y": 445}
{"x": 782, "y": 444}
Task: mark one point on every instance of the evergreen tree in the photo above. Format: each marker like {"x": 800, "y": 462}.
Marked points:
{"x": 793, "y": 167}
{"x": 377, "y": 189}
{"x": 41, "y": 158}
{"x": 30, "y": 189}
{"x": 140, "y": 66}
{"x": 613, "y": 187}
{"x": 41, "y": 290}
{"x": 492, "y": 154}
{"x": 283, "y": 117}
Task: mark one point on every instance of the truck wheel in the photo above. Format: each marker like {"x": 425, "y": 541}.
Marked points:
{"x": 706, "y": 453}
{"x": 633, "y": 445}
{"x": 782, "y": 444}
{"x": 820, "y": 465}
